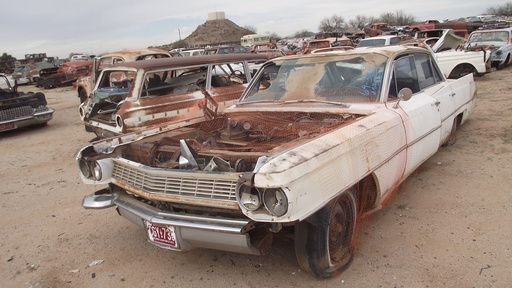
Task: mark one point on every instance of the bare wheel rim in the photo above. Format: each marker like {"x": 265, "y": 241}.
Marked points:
{"x": 340, "y": 232}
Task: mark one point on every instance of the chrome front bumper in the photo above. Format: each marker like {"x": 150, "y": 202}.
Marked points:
{"x": 192, "y": 231}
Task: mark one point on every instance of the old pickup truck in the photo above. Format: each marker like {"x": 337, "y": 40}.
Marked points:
{"x": 425, "y": 25}
{"x": 315, "y": 142}
{"x": 135, "y": 95}
{"x": 453, "y": 58}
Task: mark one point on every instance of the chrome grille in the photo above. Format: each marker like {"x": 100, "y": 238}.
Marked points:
{"x": 195, "y": 185}
{"x": 14, "y": 113}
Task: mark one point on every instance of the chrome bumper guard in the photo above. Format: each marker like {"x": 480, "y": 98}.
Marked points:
{"x": 192, "y": 231}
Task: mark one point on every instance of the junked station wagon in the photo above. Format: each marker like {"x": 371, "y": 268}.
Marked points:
{"x": 315, "y": 142}
{"x": 135, "y": 95}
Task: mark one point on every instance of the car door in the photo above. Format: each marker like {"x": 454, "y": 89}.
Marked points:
{"x": 420, "y": 115}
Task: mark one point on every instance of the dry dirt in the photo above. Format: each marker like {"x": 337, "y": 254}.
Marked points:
{"x": 449, "y": 224}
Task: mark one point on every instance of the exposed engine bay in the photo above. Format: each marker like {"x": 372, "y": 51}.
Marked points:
{"x": 232, "y": 142}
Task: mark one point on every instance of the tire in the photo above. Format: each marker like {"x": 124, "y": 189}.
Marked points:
{"x": 82, "y": 95}
{"x": 502, "y": 65}
{"x": 452, "y": 138}
{"x": 324, "y": 243}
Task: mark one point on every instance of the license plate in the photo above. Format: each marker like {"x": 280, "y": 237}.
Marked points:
{"x": 7, "y": 126}
{"x": 162, "y": 235}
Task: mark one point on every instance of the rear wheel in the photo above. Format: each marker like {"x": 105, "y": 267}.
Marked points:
{"x": 452, "y": 138}
{"x": 324, "y": 243}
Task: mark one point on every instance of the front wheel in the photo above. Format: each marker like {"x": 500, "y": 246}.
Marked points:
{"x": 82, "y": 95}
{"x": 324, "y": 243}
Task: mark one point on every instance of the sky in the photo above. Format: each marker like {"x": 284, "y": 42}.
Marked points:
{"x": 58, "y": 27}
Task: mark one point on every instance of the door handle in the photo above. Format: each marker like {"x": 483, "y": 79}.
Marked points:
{"x": 436, "y": 103}
{"x": 452, "y": 94}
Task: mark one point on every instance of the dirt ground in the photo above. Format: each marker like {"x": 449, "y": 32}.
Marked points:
{"x": 449, "y": 224}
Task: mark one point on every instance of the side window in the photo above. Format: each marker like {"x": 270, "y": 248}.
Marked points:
{"x": 404, "y": 75}
{"x": 424, "y": 69}
{"x": 105, "y": 62}
{"x": 395, "y": 40}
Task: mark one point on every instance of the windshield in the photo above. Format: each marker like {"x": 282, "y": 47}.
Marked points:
{"x": 490, "y": 36}
{"x": 349, "y": 78}
{"x": 44, "y": 65}
{"x": 372, "y": 43}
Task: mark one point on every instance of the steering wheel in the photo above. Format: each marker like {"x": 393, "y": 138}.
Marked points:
{"x": 237, "y": 76}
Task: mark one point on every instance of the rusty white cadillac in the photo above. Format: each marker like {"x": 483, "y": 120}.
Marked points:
{"x": 314, "y": 143}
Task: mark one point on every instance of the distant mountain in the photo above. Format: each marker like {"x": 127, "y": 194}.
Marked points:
{"x": 216, "y": 32}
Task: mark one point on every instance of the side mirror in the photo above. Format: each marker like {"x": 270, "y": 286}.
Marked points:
{"x": 404, "y": 94}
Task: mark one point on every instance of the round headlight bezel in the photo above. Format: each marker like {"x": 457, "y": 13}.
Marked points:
{"x": 96, "y": 170}
{"x": 249, "y": 198}
{"x": 85, "y": 168}
{"x": 275, "y": 201}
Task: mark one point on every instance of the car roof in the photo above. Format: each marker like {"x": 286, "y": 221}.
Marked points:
{"x": 381, "y": 37}
{"x": 134, "y": 53}
{"x": 508, "y": 29}
{"x": 383, "y": 50}
{"x": 154, "y": 64}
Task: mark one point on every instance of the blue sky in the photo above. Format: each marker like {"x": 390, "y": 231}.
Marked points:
{"x": 59, "y": 27}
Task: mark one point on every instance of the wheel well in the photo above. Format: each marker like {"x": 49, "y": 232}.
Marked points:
{"x": 459, "y": 70}
{"x": 79, "y": 89}
{"x": 366, "y": 194}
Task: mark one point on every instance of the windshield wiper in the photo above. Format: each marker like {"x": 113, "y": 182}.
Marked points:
{"x": 317, "y": 101}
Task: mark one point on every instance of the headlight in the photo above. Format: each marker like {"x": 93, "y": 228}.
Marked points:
{"x": 249, "y": 197}
{"x": 275, "y": 201}
{"x": 499, "y": 52}
{"x": 90, "y": 169}
{"x": 96, "y": 170}
{"x": 84, "y": 168}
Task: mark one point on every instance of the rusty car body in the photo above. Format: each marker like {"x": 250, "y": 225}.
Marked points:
{"x": 417, "y": 27}
{"x": 313, "y": 44}
{"x": 314, "y": 142}
{"x": 29, "y": 73}
{"x": 134, "y": 95}
{"x": 263, "y": 46}
{"x": 20, "y": 109}
{"x": 379, "y": 28}
{"x": 84, "y": 85}
{"x": 64, "y": 75}
{"x": 460, "y": 27}
{"x": 226, "y": 50}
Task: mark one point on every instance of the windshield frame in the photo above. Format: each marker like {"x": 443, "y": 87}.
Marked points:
{"x": 343, "y": 78}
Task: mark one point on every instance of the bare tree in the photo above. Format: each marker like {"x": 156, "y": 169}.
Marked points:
{"x": 387, "y": 17}
{"x": 333, "y": 24}
{"x": 504, "y": 10}
{"x": 273, "y": 36}
{"x": 402, "y": 19}
{"x": 250, "y": 28}
{"x": 359, "y": 22}
{"x": 303, "y": 33}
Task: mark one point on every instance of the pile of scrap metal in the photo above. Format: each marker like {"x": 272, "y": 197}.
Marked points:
{"x": 63, "y": 75}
